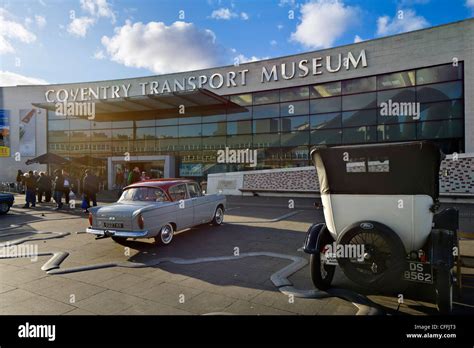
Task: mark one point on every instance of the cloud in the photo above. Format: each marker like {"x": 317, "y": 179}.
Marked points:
{"x": 273, "y": 43}
{"x": 403, "y": 21}
{"x": 10, "y": 30}
{"x": 243, "y": 59}
{"x": 8, "y": 78}
{"x": 290, "y": 3}
{"x": 164, "y": 49}
{"x": 280, "y": 26}
{"x": 98, "y": 8}
{"x": 79, "y": 26}
{"x": 470, "y": 4}
{"x": 99, "y": 55}
{"x": 357, "y": 39}
{"x": 40, "y": 21}
{"x": 323, "y": 22}
{"x": 226, "y": 14}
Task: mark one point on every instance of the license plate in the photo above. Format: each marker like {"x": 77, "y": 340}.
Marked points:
{"x": 418, "y": 272}
{"x": 113, "y": 224}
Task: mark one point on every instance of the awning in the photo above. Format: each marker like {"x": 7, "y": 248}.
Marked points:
{"x": 196, "y": 102}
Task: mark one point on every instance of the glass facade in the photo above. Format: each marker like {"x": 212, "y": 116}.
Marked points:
{"x": 283, "y": 124}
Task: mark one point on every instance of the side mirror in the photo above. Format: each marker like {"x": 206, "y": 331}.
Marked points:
{"x": 317, "y": 205}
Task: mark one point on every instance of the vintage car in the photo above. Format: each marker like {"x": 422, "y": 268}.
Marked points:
{"x": 157, "y": 209}
{"x": 382, "y": 219}
{"x": 6, "y": 201}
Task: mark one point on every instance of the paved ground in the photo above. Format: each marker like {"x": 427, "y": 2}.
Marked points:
{"x": 237, "y": 285}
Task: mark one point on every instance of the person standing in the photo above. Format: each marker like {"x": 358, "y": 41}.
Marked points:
{"x": 119, "y": 179}
{"x": 134, "y": 176}
{"x": 66, "y": 186}
{"x": 44, "y": 185}
{"x": 19, "y": 181}
{"x": 58, "y": 188}
{"x": 91, "y": 187}
{"x": 30, "y": 184}
{"x": 48, "y": 187}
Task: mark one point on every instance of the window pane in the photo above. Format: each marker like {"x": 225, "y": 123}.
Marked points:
{"x": 396, "y": 132}
{"x": 266, "y": 97}
{"x": 145, "y": 123}
{"x": 214, "y": 118}
{"x": 58, "y": 136}
{"x": 440, "y": 129}
{"x": 266, "y": 111}
{"x": 167, "y": 144}
{"x": 397, "y": 95}
{"x": 101, "y": 135}
{"x": 168, "y": 121}
{"x": 359, "y": 101}
{"x": 101, "y": 125}
{"x": 190, "y": 144}
{"x": 145, "y": 133}
{"x": 297, "y": 123}
{"x": 213, "y": 143}
{"x": 439, "y": 73}
{"x": 295, "y": 153}
{"x": 240, "y": 127}
{"x": 144, "y": 145}
{"x": 167, "y": 132}
{"x": 189, "y": 120}
{"x": 396, "y": 80}
{"x": 364, "y": 84}
{"x": 440, "y": 91}
{"x": 122, "y": 124}
{"x": 329, "y": 136}
{"x": 359, "y": 118}
{"x": 295, "y": 138}
{"x": 246, "y": 115}
{"x": 441, "y": 110}
{"x": 266, "y": 126}
{"x": 294, "y": 108}
{"x": 242, "y": 99}
{"x": 240, "y": 141}
{"x": 318, "y": 106}
{"x": 387, "y": 119}
{"x": 58, "y": 125}
{"x": 296, "y": 93}
{"x": 324, "y": 90}
{"x": 122, "y": 134}
{"x": 359, "y": 135}
{"x": 79, "y": 124}
{"x": 266, "y": 140}
{"x": 322, "y": 121}
{"x": 214, "y": 129}
{"x": 190, "y": 131}
{"x": 83, "y": 135}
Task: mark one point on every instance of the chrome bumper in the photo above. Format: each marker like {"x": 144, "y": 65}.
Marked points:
{"x": 114, "y": 233}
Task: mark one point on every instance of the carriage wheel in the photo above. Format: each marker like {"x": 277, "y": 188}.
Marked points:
{"x": 321, "y": 273}
{"x": 444, "y": 290}
{"x": 379, "y": 255}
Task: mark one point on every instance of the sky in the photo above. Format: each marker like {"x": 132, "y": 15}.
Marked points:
{"x": 53, "y": 41}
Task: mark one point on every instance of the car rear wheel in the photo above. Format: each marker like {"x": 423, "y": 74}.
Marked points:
{"x": 322, "y": 274}
{"x": 444, "y": 290}
{"x": 218, "y": 216}
{"x": 165, "y": 236}
{"x": 4, "y": 208}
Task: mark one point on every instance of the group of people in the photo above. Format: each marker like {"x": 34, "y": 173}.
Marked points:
{"x": 38, "y": 184}
{"x": 126, "y": 177}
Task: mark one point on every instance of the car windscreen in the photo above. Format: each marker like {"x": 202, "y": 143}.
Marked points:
{"x": 143, "y": 194}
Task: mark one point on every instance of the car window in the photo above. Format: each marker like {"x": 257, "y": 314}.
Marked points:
{"x": 144, "y": 194}
{"x": 178, "y": 192}
{"x": 194, "y": 190}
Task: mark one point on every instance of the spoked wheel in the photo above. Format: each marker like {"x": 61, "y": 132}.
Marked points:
{"x": 374, "y": 255}
{"x": 4, "y": 208}
{"x": 165, "y": 236}
{"x": 444, "y": 290}
{"x": 218, "y": 216}
{"x": 322, "y": 274}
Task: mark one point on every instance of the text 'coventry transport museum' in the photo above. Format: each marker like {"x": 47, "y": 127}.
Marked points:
{"x": 416, "y": 85}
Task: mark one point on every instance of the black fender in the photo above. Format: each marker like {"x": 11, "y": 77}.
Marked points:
{"x": 442, "y": 248}
{"x": 447, "y": 219}
{"x": 309, "y": 245}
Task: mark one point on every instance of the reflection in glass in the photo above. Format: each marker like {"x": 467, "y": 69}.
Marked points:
{"x": 294, "y": 108}
{"x": 190, "y": 131}
{"x": 269, "y": 125}
{"x": 295, "y": 138}
{"x": 363, "y": 84}
{"x": 266, "y": 97}
{"x": 326, "y": 137}
{"x": 189, "y": 120}
{"x": 190, "y": 143}
{"x": 214, "y": 129}
{"x": 266, "y": 111}
{"x": 396, "y": 80}
{"x": 145, "y": 133}
{"x": 239, "y": 141}
{"x": 122, "y": 134}
{"x": 321, "y": 121}
{"x": 403, "y": 95}
{"x": 245, "y": 115}
{"x": 440, "y": 91}
{"x": 297, "y": 123}
{"x": 359, "y": 101}
{"x": 396, "y": 132}
{"x": 324, "y": 90}
{"x": 325, "y": 105}
{"x": 441, "y": 73}
{"x": 216, "y": 143}
{"x": 441, "y": 110}
{"x": 167, "y": 132}
{"x": 242, "y": 99}
{"x": 266, "y": 140}
{"x": 440, "y": 129}
{"x": 58, "y": 125}
{"x": 295, "y": 93}
{"x": 358, "y": 135}
{"x": 359, "y": 118}
{"x": 239, "y": 127}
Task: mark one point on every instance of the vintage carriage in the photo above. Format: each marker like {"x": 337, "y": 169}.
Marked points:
{"x": 382, "y": 223}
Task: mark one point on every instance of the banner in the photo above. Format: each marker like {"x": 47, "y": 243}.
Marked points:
{"x": 28, "y": 132}
{"x": 4, "y": 133}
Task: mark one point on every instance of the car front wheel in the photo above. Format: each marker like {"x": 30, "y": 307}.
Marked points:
{"x": 165, "y": 236}
{"x": 4, "y": 208}
{"x": 218, "y": 216}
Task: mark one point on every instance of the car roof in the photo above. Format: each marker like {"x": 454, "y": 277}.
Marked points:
{"x": 160, "y": 183}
